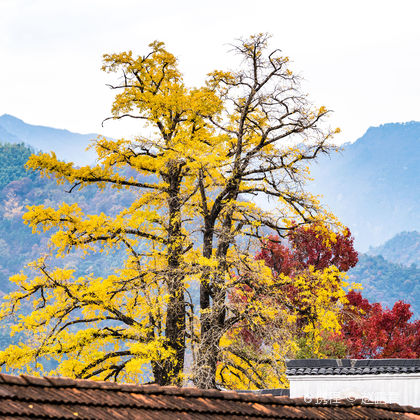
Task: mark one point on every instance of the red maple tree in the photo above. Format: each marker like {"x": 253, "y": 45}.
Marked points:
{"x": 307, "y": 246}
{"x": 304, "y": 247}
{"x": 370, "y": 331}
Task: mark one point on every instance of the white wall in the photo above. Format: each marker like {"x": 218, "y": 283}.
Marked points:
{"x": 401, "y": 389}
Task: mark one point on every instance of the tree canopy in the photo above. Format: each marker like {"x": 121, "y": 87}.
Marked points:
{"x": 370, "y": 331}
{"x": 205, "y": 158}
{"x": 309, "y": 266}
{"x": 367, "y": 330}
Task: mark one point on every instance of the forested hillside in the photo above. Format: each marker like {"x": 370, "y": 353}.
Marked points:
{"x": 13, "y": 158}
{"x": 20, "y": 188}
{"x": 386, "y": 282}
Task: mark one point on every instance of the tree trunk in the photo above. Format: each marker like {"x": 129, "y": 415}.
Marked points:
{"x": 212, "y": 314}
{"x": 168, "y": 371}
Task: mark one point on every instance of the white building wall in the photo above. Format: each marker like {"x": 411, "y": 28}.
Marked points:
{"x": 400, "y": 389}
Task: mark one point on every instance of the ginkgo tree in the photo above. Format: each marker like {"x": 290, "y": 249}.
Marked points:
{"x": 210, "y": 154}
{"x": 272, "y": 131}
{"x": 140, "y": 311}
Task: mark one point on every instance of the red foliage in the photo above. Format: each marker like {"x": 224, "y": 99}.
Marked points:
{"x": 368, "y": 330}
{"x": 278, "y": 256}
{"x": 308, "y": 246}
{"x": 379, "y": 333}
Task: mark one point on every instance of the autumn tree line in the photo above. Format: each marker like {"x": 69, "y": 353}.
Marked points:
{"x": 203, "y": 160}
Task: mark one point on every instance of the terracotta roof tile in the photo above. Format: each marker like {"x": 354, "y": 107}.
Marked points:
{"x": 28, "y": 397}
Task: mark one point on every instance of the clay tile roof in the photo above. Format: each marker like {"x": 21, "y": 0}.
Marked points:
{"x": 28, "y": 397}
{"x": 352, "y": 366}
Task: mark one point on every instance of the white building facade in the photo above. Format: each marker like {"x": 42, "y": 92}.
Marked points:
{"x": 373, "y": 381}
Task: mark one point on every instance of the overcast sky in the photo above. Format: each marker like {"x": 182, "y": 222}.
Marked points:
{"x": 359, "y": 58}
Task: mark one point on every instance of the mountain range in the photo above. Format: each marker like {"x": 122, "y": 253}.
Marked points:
{"x": 67, "y": 146}
{"x": 403, "y": 248}
{"x": 373, "y": 185}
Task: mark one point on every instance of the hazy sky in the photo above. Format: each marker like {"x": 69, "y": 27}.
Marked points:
{"x": 359, "y": 58}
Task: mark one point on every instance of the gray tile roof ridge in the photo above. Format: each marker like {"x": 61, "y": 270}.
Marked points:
{"x": 352, "y": 366}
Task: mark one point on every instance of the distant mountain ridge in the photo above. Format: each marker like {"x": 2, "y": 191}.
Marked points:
{"x": 67, "y": 146}
{"x": 373, "y": 185}
{"x": 403, "y": 248}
